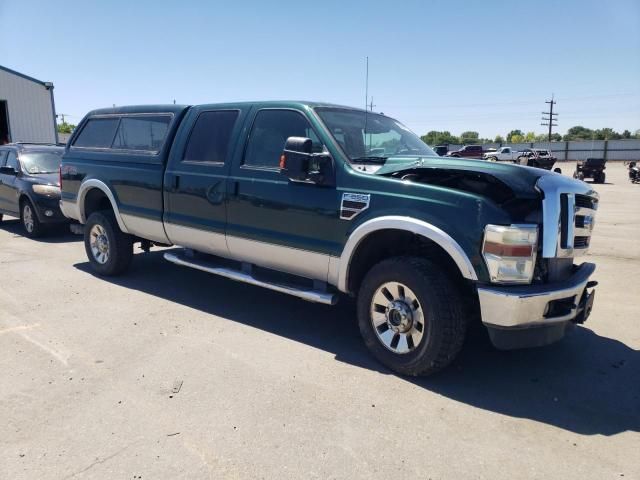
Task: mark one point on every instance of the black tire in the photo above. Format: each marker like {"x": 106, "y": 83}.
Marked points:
{"x": 601, "y": 177}
{"x": 444, "y": 323}
{"x": 119, "y": 245}
{"x": 29, "y": 219}
{"x": 581, "y": 176}
{"x": 0, "y": 218}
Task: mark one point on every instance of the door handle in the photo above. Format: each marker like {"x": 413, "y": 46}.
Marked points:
{"x": 175, "y": 182}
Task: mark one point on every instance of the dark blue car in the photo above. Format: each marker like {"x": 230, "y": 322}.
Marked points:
{"x": 30, "y": 185}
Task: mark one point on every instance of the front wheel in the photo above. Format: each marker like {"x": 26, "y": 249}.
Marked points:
{"x": 30, "y": 223}
{"x": 410, "y": 315}
{"x": 109, "y": 249}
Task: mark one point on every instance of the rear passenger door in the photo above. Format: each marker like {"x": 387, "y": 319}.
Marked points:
{"x": 196, "y": 179}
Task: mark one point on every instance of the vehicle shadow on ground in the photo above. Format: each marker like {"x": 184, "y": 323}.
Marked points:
{"x": 587, "y": 384}
{"x": 52, "y": 233}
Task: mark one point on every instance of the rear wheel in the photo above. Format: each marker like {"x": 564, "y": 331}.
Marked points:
{"x": 30, "y": 223}
{"x": 580, "y": 176}
{"x": 109, "y": 249}
{"x": 601, "y": 177}
{"x": 410, "y": 315}
{"x": 493, "y": 159}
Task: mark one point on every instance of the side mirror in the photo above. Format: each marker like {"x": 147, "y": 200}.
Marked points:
{"x": 8, "y": 170}
{"x": 299, "y": 164}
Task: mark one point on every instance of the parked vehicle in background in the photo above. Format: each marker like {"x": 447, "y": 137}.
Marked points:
{"x": 538, "y": 158}
{"x": 441, "y": 150}
{"x": 503, "y": 154}
{"x": 468, "y": 151}
{"x": 634, "y": 172}
{"x": 591, "y": 168}
{"x": 317, "y": 200}
{"x": 30, "y": 185}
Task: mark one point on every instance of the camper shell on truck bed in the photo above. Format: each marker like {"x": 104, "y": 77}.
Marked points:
{"x": 319, "y": 200}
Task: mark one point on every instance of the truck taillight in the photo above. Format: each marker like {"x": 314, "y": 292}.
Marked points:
{"x": 510, "y": 252}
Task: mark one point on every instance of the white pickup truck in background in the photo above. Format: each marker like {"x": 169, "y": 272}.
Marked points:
{"x": 503, "y": 154}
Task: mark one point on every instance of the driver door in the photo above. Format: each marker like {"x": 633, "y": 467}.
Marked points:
{"x": 8, "y": 196}
{"x": 271, "y": 221}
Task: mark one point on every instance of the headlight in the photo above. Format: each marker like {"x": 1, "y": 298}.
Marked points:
{"x": 48, "y": 190}
{"x": 510, "y": 252}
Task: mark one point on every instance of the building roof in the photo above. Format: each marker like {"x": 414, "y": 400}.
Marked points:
{"x": 26, "y": 77}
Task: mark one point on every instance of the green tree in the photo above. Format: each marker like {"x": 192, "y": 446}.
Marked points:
{"x": 470, "y": 137}
{"x": 513, "y": 133}
{"x": 579, "y": 133}
{"x": 607, "y": 134}
{"x": 65, "y": 127}
{"x": 439, "y": 138}
{"x": 530, "y": 137}
{"x": 517, "y": 138}
{"x": 499, "y": 139}
{"x": 626, "y": 134}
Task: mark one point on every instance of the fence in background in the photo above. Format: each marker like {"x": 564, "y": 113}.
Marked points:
{"x": 578, "y": 150}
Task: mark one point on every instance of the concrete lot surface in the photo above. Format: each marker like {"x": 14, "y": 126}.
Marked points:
{"x": 172, "y": 373}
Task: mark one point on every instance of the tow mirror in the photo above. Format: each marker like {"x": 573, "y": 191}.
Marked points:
{"x": 299, "y": 164}
{"x": 8, "y": 170}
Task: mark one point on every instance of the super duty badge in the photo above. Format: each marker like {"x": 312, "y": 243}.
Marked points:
{"x": 352, "y": 204}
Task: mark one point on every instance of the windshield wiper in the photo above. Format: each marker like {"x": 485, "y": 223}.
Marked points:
{"x": 369, "y": 159}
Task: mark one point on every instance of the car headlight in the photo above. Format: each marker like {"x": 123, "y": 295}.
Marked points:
{"x": 510, "y": 252}
{"x": 48, "y": 190}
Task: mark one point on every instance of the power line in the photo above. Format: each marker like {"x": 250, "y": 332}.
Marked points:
{"x": 550, "y": 118}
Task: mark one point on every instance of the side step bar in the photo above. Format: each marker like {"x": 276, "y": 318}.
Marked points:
{"x": 309, "y": 295}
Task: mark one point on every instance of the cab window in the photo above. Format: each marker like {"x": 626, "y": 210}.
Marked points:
{"x": 210, "y": 137}
{"x": 270, "y": 131}
{"x": 3, "y": 157}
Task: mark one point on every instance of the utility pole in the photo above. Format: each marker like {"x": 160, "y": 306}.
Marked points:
{"x": 550, "y": 118}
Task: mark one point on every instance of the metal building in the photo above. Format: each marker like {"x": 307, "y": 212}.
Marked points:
{"x": 27, "y": 109}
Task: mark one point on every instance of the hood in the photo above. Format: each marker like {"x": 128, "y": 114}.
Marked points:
{"x": 44, "y": 179}
{"x": 520, "y": 180}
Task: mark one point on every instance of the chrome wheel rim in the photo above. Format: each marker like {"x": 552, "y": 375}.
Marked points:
{"x": 99, "y": 243}
{"x": 27, "y": 218}
{"x": 397, "y": 317}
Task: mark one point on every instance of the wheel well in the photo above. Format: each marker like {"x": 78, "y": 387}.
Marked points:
{"x": 388, "y": 243}
{"x": 24, "y": 197}
{"x": 96, "y": 200}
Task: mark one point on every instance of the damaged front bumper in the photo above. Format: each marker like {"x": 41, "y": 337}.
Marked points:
{"x": 536, "y": 315}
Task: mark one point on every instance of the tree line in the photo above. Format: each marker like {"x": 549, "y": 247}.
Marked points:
{"x": 435, "y": 137}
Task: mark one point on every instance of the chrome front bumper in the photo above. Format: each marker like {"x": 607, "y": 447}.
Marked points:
{"x": 531, "y": 306}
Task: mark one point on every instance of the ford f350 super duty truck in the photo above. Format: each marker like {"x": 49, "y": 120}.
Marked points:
{"x": 318, "y": 200}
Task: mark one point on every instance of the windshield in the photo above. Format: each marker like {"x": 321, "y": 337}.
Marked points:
{"x": 370, "y": 136}
{"x": 40, "y": 162}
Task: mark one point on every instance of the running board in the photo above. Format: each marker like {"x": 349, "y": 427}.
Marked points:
{"x": 315, "y": 296}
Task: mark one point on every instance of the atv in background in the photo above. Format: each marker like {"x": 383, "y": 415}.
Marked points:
{"x": 591, "y": 168}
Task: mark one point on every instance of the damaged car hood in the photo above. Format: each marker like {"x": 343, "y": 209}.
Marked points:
{"x": 519, "y": 179}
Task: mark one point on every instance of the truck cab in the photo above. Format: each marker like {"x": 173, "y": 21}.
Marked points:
{"x": 321, "y": 201}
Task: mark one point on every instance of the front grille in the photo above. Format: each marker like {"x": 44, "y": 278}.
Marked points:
{"x": 581, "y": 242}
{"x": 569, "y": 210}
{"x": 584, "y": 201}
{"x": 577, "y": 215}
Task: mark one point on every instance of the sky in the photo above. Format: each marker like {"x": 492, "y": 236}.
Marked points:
{"x": 486, "y": 66}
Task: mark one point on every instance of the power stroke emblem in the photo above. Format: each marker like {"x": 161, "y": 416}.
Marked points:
{"x": 352, "y": 204}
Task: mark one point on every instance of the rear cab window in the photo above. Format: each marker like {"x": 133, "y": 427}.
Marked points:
{"x": 210, "y": 137}
{"x": 143, "y": 133}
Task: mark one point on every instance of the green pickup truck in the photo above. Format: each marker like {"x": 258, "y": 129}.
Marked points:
{"x": 318, "y": 200}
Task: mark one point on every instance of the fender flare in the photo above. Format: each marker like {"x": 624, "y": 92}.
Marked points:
{"x": 409, "y": 224}
{"x": 82, "y": 193}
